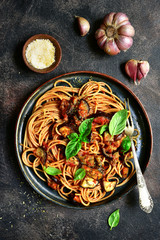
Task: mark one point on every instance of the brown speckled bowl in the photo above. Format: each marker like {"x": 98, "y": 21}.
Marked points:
{"x": 58, "y": 53}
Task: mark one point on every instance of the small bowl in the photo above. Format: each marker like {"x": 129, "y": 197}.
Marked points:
{"x": 58, "y": 53}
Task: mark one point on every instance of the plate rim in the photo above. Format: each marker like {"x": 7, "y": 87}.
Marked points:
{"x": 132, "y": 185}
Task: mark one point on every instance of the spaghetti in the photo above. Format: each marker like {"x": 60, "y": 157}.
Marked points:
{"x": 58, "y": 113}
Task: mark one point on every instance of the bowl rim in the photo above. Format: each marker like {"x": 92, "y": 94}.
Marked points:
{"x": 58, "y": 53}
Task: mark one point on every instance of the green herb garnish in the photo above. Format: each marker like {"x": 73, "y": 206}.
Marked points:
{"x": 103, "y": 129}
{"x": 75, "y": 145}
{"x": 52, "y": 170}
{"x": 80, "y": 174}
{"x": 118, "y": 122}
{"x": 85, "y": 127}
{"x": 73, "y": 136}
{"x": 126, "y": 144}
{"x": 113, "y": 219}
{"x": 72, "y": 148}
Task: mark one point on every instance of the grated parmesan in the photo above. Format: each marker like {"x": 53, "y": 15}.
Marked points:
{"x": 40, "y": 53}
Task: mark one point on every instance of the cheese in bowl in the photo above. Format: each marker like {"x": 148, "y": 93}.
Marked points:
{"x": 42, "y": 53}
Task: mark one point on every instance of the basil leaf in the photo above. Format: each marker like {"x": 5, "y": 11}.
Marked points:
{"x": 113, "y": 219}
{"x": 126, "y": 144}
{"x": 52, "y": 170}
{"x": 85, "y": 127}
{"x": 73, "y": 136}
{"x": 118, "y": 122}
{"x": 84, "y": 139}
{"x": 103, "y": 129}
{"x": 80, "y": 174}
{"x": 72, "y": 148}
{"x": 74, "y": 145}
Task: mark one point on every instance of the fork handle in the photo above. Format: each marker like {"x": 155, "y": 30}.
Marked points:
{"x": 145, "y": 200}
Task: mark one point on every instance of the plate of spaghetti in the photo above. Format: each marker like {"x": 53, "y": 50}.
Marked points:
{"x": 71, "y": 144}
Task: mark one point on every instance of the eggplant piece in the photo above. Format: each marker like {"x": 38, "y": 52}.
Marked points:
{"x": 77, "y": 121}
{"x": 73, "y": 161}
{"x": 109, "y": 186}
{"x": 89, "y": 182}
{"x": 41, "y": 154}
{"x": 119, "y": 136}
{"x": 55, "y": 179}
{"x": 86, "y": 159}
{"x": 65, "y": 131}
{"x": 107, "y": 137}
{"x": 83, "y": 108}
{"x": 64, "y": 107}
{"x": 99, "y": 160}
{"x": 95, "y": 173}
{"x": 108, "y": 150}
{"x": 68, "y": 108}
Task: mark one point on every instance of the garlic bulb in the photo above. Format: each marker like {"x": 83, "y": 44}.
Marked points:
{"x": 137, "y": 69}
{"x": 115, "y": 33}
{"x": 84, "y": 25}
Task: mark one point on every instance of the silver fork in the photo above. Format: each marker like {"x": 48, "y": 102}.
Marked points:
{"x": 145, "y": 200}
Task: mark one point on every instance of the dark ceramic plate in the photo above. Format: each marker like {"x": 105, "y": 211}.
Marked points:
{"x": 77, "y": 79}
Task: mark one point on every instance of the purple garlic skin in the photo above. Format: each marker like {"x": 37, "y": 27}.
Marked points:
{"x": 137, "y": 69}
{"x": 84, "y": 25}
{"x": 115, "y": 33}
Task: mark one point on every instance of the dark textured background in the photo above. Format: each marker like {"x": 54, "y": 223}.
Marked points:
{"x": 23, "y": 213}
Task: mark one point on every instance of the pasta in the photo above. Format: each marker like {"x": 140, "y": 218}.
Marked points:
{"x": 58, "y": 113}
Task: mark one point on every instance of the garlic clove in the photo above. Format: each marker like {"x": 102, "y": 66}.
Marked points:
{"x": 124, "y": 42}
{"x": 131, "y": 69}
{"x": 108, "y": 19}
{"x": 111, "y": 48}
{"x": 102, "y": 41}
{"x": 84, "y": 25}
{"x": 99, "y": 33}
{"x": 142, "y": 70}
{"x": 126, "y": 30}
{"x": 137, "y": 70}
{"x": 123, "y": 24}
{"x": 103, "y": 26}
{"x": 119, "y": 18}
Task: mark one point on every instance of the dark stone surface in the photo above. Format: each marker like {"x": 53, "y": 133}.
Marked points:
{"x": 23, "y": 213}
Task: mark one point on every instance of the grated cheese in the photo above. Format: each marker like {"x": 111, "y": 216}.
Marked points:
{"x": 40, "y": 53}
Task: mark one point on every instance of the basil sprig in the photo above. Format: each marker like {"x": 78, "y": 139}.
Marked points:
{"x": 76, "y": 140}
{"x": 52, "y": 170}
{"x": 72, "y": 148}
{"x": 113, "y": 219}
{"x": 126, "y": 144}
{"x": 80, "y": 174}
{"x": 118, "y": 122}
{"x": 103, "y": 129}
{"x": 73, "y": 136}
{"x": 85, "y": 127}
